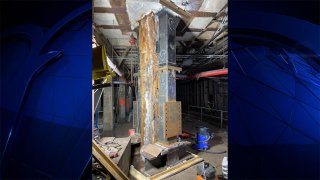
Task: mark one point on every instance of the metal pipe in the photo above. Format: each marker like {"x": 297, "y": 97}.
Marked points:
{"x": 131, "y": 71}
{"x": 212, "y": 73}
{"x": 204, "y": 74}
{"x": 113, "y": 67}
{"x": 221, "y": 116}
{"x": 208, "y": 108}
{"x": 99, "y": 86}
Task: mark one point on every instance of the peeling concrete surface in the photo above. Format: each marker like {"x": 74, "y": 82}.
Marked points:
{"x": 149, "y": 80}
{"x": 138, "y": 8}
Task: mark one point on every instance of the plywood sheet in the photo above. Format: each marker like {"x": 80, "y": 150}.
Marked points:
{"x": 172, "y": 118}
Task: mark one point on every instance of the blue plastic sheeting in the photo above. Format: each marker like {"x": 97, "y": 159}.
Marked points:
{"x": 46, "y": 103}
{"x": 274, "y": 92}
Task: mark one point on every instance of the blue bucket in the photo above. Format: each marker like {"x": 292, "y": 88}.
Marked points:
{"x": 203, "y": 137}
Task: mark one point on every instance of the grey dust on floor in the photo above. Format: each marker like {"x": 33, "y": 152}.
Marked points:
{"x": 218, "y": 143}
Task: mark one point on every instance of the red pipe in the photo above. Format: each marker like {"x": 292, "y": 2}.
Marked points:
{"x": 211, "y": 73}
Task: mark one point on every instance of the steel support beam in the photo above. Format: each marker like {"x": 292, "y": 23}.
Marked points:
{"x": 110, "y": 10}
{"x": 157, "y": 74}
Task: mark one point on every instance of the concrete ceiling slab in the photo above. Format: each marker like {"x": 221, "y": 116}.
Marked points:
{"x": 214, "y": 25}
{"x": 212, "y": 5}
{"x": 105, "y": 19}
{"x": 192, "y": 5}
{"x": 111, "y": 33}
{"x": 138, "y": 8}
{"x": 120, "y": 42}
{"x": 188, "y": 36}
{"x": 206, "y": 35}
{"x": 101, "y": 3}
{"x": 200, "y": 22}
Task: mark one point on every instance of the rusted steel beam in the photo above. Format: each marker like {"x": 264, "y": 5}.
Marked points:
{"x": 120, "y": 10}
{"x": 202, "y": 14}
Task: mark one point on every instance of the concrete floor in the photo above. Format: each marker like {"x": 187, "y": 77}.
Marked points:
{"x": 189, "y": 125}
{"x": 218, "y": 143}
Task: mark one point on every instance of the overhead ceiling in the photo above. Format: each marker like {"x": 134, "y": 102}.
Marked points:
{"x": 202, "y": 29}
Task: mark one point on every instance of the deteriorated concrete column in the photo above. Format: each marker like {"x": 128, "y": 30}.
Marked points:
{"x": 149, "y": 80}
{"x": 122, "y": 103}
{"x": 108, "y": 115}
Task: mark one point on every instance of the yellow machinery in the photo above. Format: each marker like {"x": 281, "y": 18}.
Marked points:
{"x": 100, "y": 68}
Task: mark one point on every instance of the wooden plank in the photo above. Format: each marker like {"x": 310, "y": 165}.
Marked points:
{"x": 178, "y": 168}
{"x": 122, "y": 18}
{"x": 202, "y": 14}
{"x": 169, "y": 172}
{"x": 123, "y": 160}
{"x": 172, "y": 6}
{"x": 107, "y": 163}
{"x": 136, "y": 174}
{"x": 120, "y": 10}
{"x": 169, "y": 68}
{"x": 172, "y": 118}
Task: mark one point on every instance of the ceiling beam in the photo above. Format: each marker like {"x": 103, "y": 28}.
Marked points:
{"x": 122, "y": 18}
{"x": 223, "y": 29}
{"x": 120, "y": 10}
{"x": 121, "y": 27}
{"x": 200, "y": 30}
{"x": 202, "y": 14}
{"x": 125, "y": 54}
{"x": 172, "y": 6}
{"x": 219, "y": 15}
{"x": 187, "y": 14}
